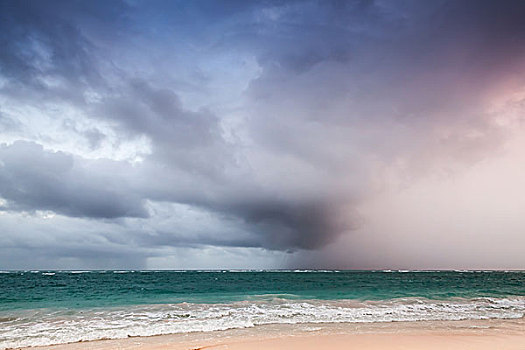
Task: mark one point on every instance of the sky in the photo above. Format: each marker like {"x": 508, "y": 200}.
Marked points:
{"x": 262, "y": 134}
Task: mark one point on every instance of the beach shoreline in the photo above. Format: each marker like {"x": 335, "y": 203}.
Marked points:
{"x": 466, "y": 334}
{"x": 188, "y": 310}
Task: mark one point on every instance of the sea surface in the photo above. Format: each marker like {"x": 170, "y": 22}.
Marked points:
{"x": 53, "y": 307}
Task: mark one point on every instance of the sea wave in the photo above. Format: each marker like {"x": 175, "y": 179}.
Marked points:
{"x": 48, "y": 327}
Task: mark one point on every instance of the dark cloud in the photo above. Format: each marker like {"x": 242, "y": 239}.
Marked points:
{"x": 344, "y": 93}
{"x": 32, "y": 179}
{"x": 413, "y": 69}
{"x": 295, "y": 225}
{"x": 158, "y": 113}
{"x": 39, "y": 43}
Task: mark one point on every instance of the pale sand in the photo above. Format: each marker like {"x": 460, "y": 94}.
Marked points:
{"x": 454, "y": 335}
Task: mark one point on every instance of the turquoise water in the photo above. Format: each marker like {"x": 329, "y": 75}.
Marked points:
{"x": 27, "y": 290}
{"x": 51, "y": 307}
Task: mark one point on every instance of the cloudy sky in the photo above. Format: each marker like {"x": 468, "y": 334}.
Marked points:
{"x": 262, "y": 134}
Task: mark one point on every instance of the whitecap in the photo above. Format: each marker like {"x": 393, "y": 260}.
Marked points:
{"x": 47, "y": 327}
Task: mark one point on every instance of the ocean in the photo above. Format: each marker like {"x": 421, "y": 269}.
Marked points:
{"x": 54, "y": 307}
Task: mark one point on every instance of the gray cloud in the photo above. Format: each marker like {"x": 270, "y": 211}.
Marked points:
{"x": 32, "y": 178}
{"x": 345, "y": 96}
{"x": 41, "y": 43}
{"x": 293, "y": 224}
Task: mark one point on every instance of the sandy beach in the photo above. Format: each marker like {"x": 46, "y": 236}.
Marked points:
{"x": 479, "y": 335}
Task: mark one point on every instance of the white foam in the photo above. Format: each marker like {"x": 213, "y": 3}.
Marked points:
{"x": 47, "y": 327}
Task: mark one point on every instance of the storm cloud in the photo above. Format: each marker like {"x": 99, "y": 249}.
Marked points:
{"x": 171, "y": 127}
{"x": 31, "y": 179}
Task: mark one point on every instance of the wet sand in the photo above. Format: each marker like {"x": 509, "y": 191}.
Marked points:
{"x": 479, "y": 335}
